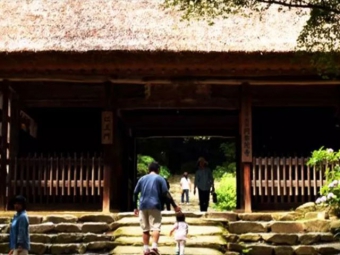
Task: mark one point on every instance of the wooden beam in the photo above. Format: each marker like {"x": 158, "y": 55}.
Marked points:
{"x": 4, "y": 144}
{"x": 181, "y": 122}
{"x": 56, "y": 103}
{"x": 215, "y": 103}
{"x": 108, "y": 147}
{"x": 246, "y": 145}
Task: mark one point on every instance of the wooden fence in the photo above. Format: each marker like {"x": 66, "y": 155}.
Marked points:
{"x": 43, "y": 180}
{"x": 284, "y": 182}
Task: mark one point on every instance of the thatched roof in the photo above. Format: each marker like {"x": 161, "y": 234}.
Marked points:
{"x": 85, "y": 25}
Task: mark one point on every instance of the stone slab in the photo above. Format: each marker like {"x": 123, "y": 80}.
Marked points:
{"x": 121, "y": 250}
{"x": 193, "y": 231}
{"x": 168, "y": 220}
{"x": 243, "y": 227}
{"x": 280, "y": 239}
{"x": 228, "y": 216}
{"x": 61, "y": 219}
{"x": 216, "y": 242}
{"x": 100, "y": 217}
{"x": 255, "y": 216}
{"x": 287, "y": 227}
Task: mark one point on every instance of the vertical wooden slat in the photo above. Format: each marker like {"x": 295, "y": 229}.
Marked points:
{"x": 15, "y": 176}
{"x": 100, "y": 169}
{"x": 56, "y": 160}
{"x": 315, "y": 179}
{"x": 45, "y": 169}
{"x": 87, "y": 175}
{"x": 81, "y": 172}
{"x": 309, "y": 186}
{"x": 75, "y": 176}
{"x": 296, "y": 163}
{"x": 22, "y": 171}
{"x": 284, "y": 176}
{"x": 322, "y": 170}
{"x": 69, "y": 175}
{"x": 260, "y": 170}
{"x": 50, "y": 163}
{"x": 272, "y": 187}
{"x": 34, "y": 178}
{"x": 93, "y": 180}
{"x": 278, "y": 169}
{"x": 254, "y": 179}
{"x": 27, "y": 178}
{"x": 266, "y": 176}
{"x": 62, "y": 162}
{"x": 290, "y": 180}
{"x": 302, "y": 164}
{"x": 40, "y": 179}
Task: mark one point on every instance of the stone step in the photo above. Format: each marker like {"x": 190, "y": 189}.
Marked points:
{"x": 67, "y": 248}
{"x": 171, "y": 220}
{"x": 49, "y": 227}
{"x": 164, "y": 214}
{"x": 64, "y": 218}
{"x": 214, "y": 242}
{"x": 243, "y": 227}
{"x": 165, "y": 250}
{"x": 193, "y": 231}
{"x": 282, "y": 239}
{"x": 265, "y": 249}
{"x": 63, "y": 238}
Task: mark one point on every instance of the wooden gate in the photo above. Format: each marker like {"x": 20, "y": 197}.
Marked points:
{"x": 284, "y": 183}
{"x": 52, "y": 182}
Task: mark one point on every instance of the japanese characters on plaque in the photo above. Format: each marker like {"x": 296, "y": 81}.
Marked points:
{"x": 246, "y": 132}
{"x": 107, "y": 127}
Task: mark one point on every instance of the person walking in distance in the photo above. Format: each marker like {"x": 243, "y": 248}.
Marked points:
{"x": 153, "y": 189}
{"x": 19, "y": 238}
{"x": 205, "y": 183}
{"x": 186, "y": 187}
{"x": 181, "y": 231}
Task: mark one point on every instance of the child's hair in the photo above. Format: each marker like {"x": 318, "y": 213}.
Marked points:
{"x": 180, "y": 217}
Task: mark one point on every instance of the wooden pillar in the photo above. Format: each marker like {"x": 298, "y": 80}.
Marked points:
{"x": 246, "y": 146}
{"x": 4, "y": 144}
{"x": 108, "y": 124}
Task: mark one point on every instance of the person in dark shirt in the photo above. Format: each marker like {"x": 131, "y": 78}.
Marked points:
{"x": 165, "y": 202}
{"x": 153, "y": 189}
{"x": 205, "y": 183}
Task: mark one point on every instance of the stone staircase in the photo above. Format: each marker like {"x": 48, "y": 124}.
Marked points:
{"x": 234, "y": 234}
{"x": 209, "y": 234}
{"x": 65, "y": 234}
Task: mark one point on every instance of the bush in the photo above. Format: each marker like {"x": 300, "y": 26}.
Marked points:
{"x": 226, "y": 193}
{"x": 330, "y": 193}
{"x": 143, "y": 163}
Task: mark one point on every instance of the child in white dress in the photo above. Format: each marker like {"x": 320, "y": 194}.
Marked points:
{"x": 181, "y": 231}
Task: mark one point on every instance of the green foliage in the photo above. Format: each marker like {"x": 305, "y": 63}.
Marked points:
{"x": 143, "y": 163}
{"x": 229, "y": 166}
{"x": 328, "y": 160}
{"x": 226, "y": 193}
{"x": 320, "y": 35}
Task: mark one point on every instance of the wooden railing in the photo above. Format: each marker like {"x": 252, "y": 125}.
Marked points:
{"x": 284, "y": 182}
{"x": 59, "y": 179}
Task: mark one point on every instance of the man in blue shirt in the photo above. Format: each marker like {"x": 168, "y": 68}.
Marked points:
{"x": 19, "y": 239}
{"x": 153, "y": 190}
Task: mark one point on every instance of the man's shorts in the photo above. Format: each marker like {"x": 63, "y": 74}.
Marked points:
{"x": 150, "y": 219}
{"x": 22, "y": 252}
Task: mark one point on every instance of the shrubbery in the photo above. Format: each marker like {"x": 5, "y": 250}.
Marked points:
{"x": 226, "y": 193}
{"x": 330, "y": 193}
{"x": 143, "y": 162}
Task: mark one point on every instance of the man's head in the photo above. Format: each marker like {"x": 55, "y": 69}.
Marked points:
{"x": 185, "y": 174}
{"x": 19, "y": 203}
{"x": 154, "y": 167}
{"x": 202, "y": 162}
